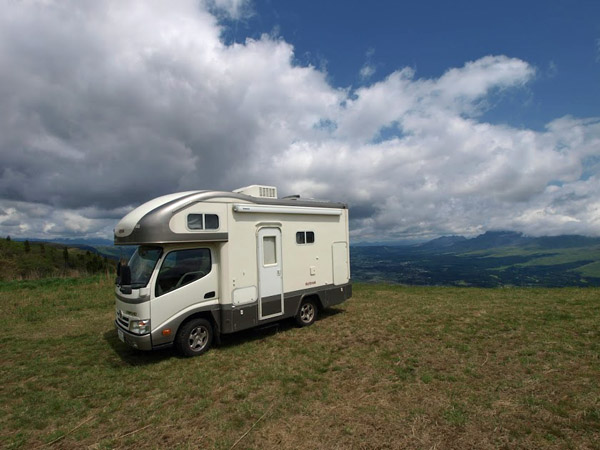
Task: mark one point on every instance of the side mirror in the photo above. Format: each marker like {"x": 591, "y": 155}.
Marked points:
{"x": 125, "y": 275}
{"x": 125, "y": 279}
{"x": 118, "y": 278}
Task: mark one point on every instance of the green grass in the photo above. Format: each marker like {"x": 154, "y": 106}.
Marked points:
{"x": 590, "y": 270}
{"x": 549, "y": 257}
{"x": 394, "y": 367}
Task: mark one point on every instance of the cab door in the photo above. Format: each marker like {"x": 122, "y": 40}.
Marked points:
{"x": 186, "y": 277}
{"x": 270, "y": 273}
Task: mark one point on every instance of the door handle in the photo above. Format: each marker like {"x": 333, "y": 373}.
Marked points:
{"x": 210, "y": 294}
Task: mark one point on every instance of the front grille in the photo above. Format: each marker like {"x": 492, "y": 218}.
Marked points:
{"x": 123, "y": 321}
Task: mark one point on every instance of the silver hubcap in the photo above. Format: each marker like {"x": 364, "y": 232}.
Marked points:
{"x": 307, "y": 312}
{"x": 198, "y": 338}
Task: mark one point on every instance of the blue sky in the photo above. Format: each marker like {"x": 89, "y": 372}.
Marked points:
{"x": 427, "y": 118}
{"x": 559, "y": 38}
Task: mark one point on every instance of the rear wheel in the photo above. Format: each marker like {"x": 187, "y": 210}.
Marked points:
{"x": 307, "y": 313}
{"x": 194, "y": 337}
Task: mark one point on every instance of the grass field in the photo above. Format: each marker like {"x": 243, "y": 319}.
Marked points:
{"x": 550, "y": 257}
{"x": 394, "y": 367}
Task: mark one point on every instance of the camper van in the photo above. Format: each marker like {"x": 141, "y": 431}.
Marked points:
{"x": 211, "y": 263}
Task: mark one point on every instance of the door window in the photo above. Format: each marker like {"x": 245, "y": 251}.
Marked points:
{"x": 182, "y": 267}
{"x": 269, "y": 250}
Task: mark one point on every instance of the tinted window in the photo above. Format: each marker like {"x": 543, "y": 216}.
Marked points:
{"x": 182, "y": 267}
{"x": 203, "y": 221}
{"x": 195, "y": 221}
{"x": 211, "y": 221}
{"x": 305, "y": 237}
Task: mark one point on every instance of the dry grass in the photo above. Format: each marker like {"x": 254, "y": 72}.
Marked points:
{"x": 394, "y": 367}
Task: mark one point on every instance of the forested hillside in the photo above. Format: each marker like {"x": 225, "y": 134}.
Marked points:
{"x": 32, "y": 260}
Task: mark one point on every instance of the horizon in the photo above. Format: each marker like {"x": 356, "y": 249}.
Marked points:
{"x": 428, "y": 120}
{"x": 398, "y": 243}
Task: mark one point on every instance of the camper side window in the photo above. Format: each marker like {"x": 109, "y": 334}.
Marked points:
{"x": 305, "y": 237}
{"x": 182, "y": 267}
{"x": 203, "y": 221}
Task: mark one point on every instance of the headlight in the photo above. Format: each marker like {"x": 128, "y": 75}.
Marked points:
{"x": 139, "y": 326}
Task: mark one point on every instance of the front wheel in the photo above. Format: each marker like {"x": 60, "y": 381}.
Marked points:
{"x": 195, "y": 337}
{"x": 307, "y": 313}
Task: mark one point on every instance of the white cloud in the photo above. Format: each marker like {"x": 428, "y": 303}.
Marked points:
{"x": 26, "y": 219}
{"x": 366, "y": 71}
{"x": 477, "y": 78}
{"x": 235, "y": 9}
{"x": 109, "y": 104}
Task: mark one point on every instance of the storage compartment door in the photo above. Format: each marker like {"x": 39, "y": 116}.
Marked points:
{"x": 341, "y": 271}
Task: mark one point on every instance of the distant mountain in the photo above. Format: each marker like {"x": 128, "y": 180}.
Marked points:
{"x": 442, "y": 242}
{"x": 403, "y": 243}
{"x": 503, "y": 239}
{"x": 494, "y": 239}
{"x": 490, "y": 239}
{"x": 565, "y": 241}
{"x": 72, "y": 242}
{"x": 495, "y": 258}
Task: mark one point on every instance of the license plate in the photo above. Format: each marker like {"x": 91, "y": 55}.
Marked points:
{"x": 121, "y": 335}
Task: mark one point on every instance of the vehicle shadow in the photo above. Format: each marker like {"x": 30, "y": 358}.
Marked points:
{"x": 131, "y": 357}
{"x": 264, "y": 331}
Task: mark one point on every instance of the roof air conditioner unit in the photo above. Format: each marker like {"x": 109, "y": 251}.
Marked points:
{"x": 258, "y": 191}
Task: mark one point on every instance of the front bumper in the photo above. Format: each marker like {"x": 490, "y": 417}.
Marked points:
{"x": 134, "y": 340}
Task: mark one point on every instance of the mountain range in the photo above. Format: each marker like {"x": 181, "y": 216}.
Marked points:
{"x": 497, "y": 239}
{"x": 495, "y": 258}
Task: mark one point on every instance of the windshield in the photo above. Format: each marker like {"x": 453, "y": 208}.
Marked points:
{"x": 142, "y": 264}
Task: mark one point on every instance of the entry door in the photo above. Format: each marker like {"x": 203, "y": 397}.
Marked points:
{"x": 270, "y": 280}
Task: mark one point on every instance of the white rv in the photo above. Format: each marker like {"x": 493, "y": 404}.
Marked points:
{"x": 210, "y": 263}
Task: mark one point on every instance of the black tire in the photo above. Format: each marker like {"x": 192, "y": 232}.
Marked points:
{"x": 307, "y": 313}
{"x": 194, "y": 337}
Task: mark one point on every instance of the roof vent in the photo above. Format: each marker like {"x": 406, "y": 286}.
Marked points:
{"x": 258, "y": 191}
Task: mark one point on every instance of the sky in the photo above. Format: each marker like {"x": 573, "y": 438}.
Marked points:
{"x": 428, "y": 119}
